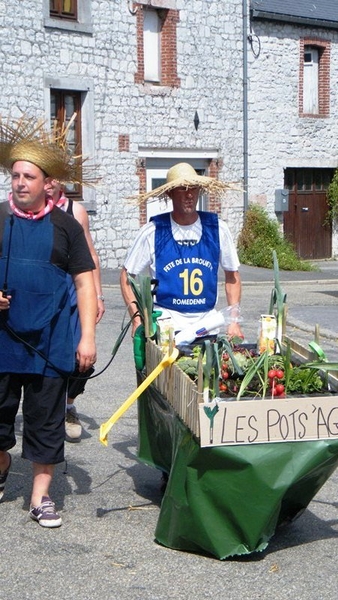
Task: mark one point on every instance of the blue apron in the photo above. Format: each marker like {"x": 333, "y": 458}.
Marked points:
{"x": 39, "y": 310}
{"x": 187, "y": 272}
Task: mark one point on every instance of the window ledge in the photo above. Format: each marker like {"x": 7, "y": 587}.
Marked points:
{"x": 168, "y": 4}
{"x": 71, "y": 26}
{"x": 156, "y": 90}
{"x": 313, "y": 116}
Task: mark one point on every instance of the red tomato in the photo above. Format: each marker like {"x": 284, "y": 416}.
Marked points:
{"x": 279, "y": 389}
{"x": 279, "y": 373}
{"x": 272, "y": 374}
{"x": 223, "y": 387}
{"x": 225, "y": 375}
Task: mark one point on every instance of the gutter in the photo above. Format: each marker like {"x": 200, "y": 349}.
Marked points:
{"x": 245, "y": 107}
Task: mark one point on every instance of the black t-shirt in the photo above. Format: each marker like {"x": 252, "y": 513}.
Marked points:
{"x": 70, "y": 249}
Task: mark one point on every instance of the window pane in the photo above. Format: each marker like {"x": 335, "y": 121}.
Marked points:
{"x": 67, "y": 6}
{"x": 322, "y": 178}
{"x": 304, "y": 179}
{"x": 63, "y": 105}
{"x": 308, "y": 176}
{"x": 155, "y": 183}
{"x": 289, "y": 179}
{"x": 327, "y": 178}
{"x": 66, "y": 9}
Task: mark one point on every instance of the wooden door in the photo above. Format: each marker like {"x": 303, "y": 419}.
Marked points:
{"x": 304, "y": 222}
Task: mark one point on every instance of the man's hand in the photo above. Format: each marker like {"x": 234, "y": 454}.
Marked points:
{"x": 4, "y": 302}
{"x": 234, "y": 330}
{"x": 101, "y": 309}
{"x": 85, "y": 355}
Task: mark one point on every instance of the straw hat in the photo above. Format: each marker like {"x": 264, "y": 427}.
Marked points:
{"x": 28, "y": 140}
{"x": 184, "y": 175}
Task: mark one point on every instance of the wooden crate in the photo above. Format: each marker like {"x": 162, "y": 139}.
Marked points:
{"x": 186, "y": 398}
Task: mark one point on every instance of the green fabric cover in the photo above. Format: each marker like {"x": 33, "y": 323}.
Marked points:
{"x": 226, "y": 501}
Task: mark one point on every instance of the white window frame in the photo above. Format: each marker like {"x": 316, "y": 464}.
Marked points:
{"x": 86, "y": 87}
{"x": 311, "y": 81}
{"x": 157, "y": 206}
{"x": 82, "y": 25}
{"x": 159, "y": 171}
{"x": 152, "y": 46}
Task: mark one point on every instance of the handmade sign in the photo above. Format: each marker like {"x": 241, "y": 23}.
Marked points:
{"x": 262, "y": 421}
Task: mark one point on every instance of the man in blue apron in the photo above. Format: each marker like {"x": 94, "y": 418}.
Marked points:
{"x": 183, "y": 250}
{"x": 39, "y": 245}
{"x": 77, "y": 383}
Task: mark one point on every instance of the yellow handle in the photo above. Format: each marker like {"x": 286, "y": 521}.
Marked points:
{"x": 165, "y": 362}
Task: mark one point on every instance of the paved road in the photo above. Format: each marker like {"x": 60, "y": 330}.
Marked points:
{"x": 308, "y": 292}
{"x": 311, "y": 295}
{"x": 105, "y": 549}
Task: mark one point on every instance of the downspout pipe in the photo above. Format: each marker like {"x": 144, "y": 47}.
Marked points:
{"x": 245, "y": 107}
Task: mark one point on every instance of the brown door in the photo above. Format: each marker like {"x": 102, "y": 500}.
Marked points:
{"x": 304, "y": 222}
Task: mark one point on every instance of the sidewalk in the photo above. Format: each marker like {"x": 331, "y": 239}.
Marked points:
{"x": 327, "y": 271}
{"x": 305, "y": 316}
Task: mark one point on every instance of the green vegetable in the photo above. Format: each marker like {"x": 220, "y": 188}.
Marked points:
{"x": 304, "y": 381}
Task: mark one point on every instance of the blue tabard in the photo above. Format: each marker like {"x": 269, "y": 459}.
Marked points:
{"x": 39, "y": 310}
{"x": 187, "y": 271}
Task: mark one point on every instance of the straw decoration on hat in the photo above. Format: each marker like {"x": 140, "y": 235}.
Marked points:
{"x": 184, "y": 175}
{"x": 28, "y": 140}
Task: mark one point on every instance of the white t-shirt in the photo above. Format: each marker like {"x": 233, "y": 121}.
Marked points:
{"x": 141, "y": 258}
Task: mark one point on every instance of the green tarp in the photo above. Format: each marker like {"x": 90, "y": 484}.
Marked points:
{"x": 226, "y": 501}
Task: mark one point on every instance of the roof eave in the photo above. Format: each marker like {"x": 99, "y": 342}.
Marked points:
{"x": 269, "y": 16}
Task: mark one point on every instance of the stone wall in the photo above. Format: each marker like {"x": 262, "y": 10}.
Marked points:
{"x": 279, "y": 135}
{"x": 128, "y": 115}
{"x": 123, "y": 116}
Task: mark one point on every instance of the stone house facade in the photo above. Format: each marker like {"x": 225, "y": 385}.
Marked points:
{"x": 293, "y": 116}
{"x": 154, "y": 82}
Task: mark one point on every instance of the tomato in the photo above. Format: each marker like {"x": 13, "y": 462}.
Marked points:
{"x": 279, "y": 373}
{"x": 279, "y": 389}
{"x": 272, "y": 374}
{"x": 223, "y": 387}
{"x": 225, "y": 375}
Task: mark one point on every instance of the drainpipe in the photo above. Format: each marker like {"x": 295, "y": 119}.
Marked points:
{"x": 245, "y": 106}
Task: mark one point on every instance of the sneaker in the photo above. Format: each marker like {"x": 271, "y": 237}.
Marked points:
{"x": 73, "y": 425}
{"x": 3, "y": 477}
{"x": 45, "y": 514}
